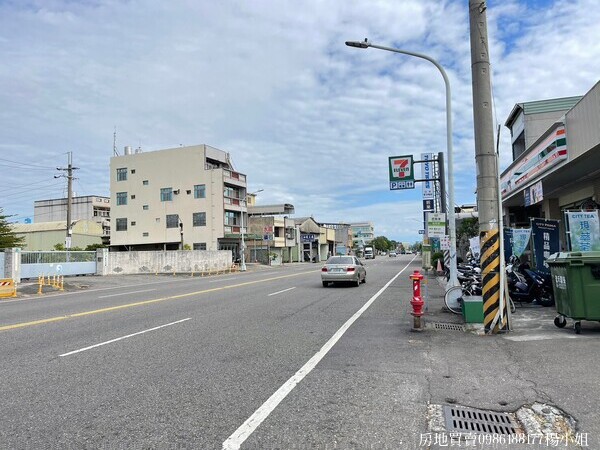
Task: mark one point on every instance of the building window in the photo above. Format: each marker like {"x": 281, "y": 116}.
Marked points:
{"x": 132, "y": 171}
{"x": 121, "y": 224}
{"x": 132, "y": 223}
{"x": 145, "y": 182}
{"x": 230, "y": 218}
{"x": 122, "y": 174}
{"x": 199, "y": 219}
{"x": 121, "y": 198}
{"x": 132, "y": 196}
{"x": 200, "y": 191}
{"x": 145, "y": 207}
{"x": 200, "y": 246}
{"x": 166, "y": 194}
{"x": 172, "y": 220}
{"x": 158, "y": 220}
{"x": 145, "y": 234}
{"x": 231, "y": 192}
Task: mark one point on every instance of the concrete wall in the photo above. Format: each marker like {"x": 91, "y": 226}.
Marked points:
{"x": 187, "y": 261}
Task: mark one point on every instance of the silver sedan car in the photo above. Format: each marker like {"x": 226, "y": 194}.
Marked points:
{"x": 343, "y": 269}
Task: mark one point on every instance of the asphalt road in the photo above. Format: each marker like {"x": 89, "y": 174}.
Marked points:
{"x": 267, "y": 358}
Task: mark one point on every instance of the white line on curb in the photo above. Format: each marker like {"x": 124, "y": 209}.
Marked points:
{"x": 123, "y": 337}
{"x": 247, "y": 428}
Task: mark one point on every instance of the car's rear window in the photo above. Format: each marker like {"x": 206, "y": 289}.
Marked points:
{"x": 340, "y": 260}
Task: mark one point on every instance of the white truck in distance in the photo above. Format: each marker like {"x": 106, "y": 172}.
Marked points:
{"x": 369, "y": 253}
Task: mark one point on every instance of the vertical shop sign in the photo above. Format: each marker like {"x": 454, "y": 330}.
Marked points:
{"x": 520, "y": 240}
{"x": 546, "y": 241}
{"x": 584, "y": 231}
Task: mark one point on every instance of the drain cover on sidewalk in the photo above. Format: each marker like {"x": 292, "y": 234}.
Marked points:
{"x": 464, "y": 419}
{"x": 447, "y": 326}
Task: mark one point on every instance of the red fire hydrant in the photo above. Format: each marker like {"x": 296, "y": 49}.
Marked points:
{"x": 417, "y": 302}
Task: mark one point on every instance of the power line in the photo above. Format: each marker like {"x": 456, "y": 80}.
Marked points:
{"x": 25, "y": 164}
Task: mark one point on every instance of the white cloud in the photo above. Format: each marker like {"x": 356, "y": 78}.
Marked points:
{"x": 309, "y": 120}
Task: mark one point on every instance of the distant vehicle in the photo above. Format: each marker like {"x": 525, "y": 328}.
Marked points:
{"x": 393, "y": 254}
{"x": 343, "y": 269}
{"x": 369, "y": 253}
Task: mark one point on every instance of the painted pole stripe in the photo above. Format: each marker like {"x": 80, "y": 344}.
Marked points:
{"x": 490, "y": 264}
{"x": 491, "y": 315}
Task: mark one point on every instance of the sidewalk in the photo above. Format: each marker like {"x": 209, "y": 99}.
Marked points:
{"x": 545, "y": 377}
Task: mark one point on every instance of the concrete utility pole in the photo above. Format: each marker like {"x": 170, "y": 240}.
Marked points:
{"x": 495, "y": 318}
{"x": 69, "y": 169}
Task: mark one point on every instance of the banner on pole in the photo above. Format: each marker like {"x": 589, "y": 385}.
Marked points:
{"x": 520, "y": 240}
{"x": 475, "y": 247}
{"x": 584, "y": 231}
{"x": 427, "y": 174}
{"x": 546, "y": 241}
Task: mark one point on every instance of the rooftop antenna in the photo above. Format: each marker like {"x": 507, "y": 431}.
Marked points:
{"x": 115, "y": 152}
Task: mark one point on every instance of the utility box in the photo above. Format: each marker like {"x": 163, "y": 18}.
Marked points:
{"x": 472, "y": 308}
{"x": 576, "y": 284}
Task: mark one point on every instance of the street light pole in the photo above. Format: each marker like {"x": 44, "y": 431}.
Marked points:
{"x": 243, "y": 244}
{"x": 451, "y": 214}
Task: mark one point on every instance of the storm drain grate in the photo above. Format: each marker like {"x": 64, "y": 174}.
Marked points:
{"x": 448, "y": 326}
{"x": 464, "y": 419}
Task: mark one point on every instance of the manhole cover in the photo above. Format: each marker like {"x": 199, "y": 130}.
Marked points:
{"x": 448, "y": 326}
{"x": 464, "y": 419}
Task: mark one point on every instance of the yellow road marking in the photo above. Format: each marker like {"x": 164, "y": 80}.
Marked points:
{"x": 141, "y": 303}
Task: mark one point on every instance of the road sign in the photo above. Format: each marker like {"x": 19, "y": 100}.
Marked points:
{"x": 268, "y": 229}
{"x": 401, "y": 169}
{"x": 445, "y": 242}
{"x": 267, "y": 237}
{"x": 436, "y": 224}
{"x": 428, "y": 204}
{"x": 421, "y": 231}
{"x": 397, "y": 185}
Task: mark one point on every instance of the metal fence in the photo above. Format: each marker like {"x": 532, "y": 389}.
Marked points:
{"x": 56, "y": 257}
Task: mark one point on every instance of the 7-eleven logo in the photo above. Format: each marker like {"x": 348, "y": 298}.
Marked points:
{"x": 401, "y": 168}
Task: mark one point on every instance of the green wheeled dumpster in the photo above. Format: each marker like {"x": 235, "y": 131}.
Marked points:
{"x": 576, "y": 285}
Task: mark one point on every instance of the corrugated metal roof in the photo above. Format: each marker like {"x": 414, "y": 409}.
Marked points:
{"x": 542, "y": 106}
{"x": 552, "y": 104}
{"x": 42, "y": 226}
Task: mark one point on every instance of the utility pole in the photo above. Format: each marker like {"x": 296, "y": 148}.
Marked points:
{"x": 69, "y": 169}
{"x": 494, "y": 313}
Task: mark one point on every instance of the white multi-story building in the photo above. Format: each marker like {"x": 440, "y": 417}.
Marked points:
{"x": 184, "y": 197}
{"x": 362, "y": 233}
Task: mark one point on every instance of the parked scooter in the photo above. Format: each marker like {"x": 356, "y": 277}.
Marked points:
{"x": 526, "y": 285}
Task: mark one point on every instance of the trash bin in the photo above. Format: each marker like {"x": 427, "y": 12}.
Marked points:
{"x": 576, "y": 286}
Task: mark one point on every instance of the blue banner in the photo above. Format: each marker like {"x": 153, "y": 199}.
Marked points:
{"x": 546, "y": 241}
{"x": 508, "y": 244}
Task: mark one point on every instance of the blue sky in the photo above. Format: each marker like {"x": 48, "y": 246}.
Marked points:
{"x": 310, "y": 121}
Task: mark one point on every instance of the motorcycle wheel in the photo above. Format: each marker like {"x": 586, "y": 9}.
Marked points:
{"x": 546, "y": 299}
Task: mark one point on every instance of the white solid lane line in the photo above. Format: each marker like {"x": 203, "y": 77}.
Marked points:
{"x": 279, "y": 292}
{"x": 124, "y": 337}
{"x": 247, "y": 428}
{"x": 125, "y": 293}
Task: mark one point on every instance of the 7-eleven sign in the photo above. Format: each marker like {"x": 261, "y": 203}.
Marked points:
{"x": 401, "y": 170}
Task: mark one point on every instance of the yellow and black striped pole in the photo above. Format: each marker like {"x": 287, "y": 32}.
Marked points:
{"x": 495, "y": 316}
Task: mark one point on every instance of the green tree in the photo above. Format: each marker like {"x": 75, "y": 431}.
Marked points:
{"x": 94, "y": 247}
{"x": 8, "y": 238}
{"x": 382, "y": 243}
{"x": 467, "y": 229}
